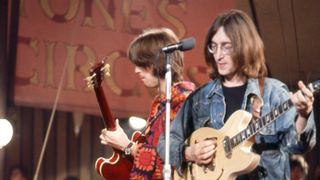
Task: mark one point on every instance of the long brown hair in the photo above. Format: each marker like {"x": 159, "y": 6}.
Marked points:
{"x": 248, "y": 48}
{"x": 145, "y": 51}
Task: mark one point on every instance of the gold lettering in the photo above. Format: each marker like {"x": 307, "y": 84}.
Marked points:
{"x": 180, "y": 27}
{"x": 84, "y": 69}
{"x": 105, "y": 14}
{"x": 111, "y": 59}
{"x": 34, "y": 44}
{"x": 127, "y": 12}
{"x": 71, "y": 12}
{"x": 71, "y": 67}
{"x": 49, "y": 65}
{"x": 71, "y": 64}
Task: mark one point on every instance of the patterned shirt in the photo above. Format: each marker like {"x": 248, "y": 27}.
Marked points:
{"x": 147, "y": 162}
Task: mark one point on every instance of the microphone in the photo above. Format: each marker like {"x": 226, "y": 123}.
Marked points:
{"x": 183, "y": 45}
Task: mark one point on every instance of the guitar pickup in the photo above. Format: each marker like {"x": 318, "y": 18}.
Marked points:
{"x": 227, "y": 146}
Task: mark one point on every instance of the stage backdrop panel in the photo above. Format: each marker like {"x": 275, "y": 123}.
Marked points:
{"x": 77, "y": 34}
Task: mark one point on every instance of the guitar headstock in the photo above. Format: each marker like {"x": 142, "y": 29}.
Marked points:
{"x": 314, "y": 86}
{"x": 97, "y": 74}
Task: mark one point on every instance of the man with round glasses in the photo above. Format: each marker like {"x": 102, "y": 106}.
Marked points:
{"x": 225, "y": 48}
{"x": 234, "y": 53}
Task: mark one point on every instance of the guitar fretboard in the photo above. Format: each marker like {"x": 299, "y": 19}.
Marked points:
{"x": 255, "y": 126}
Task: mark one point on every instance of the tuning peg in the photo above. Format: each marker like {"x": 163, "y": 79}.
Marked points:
{"x": 89, "y": 81}
{"x": 106, "y": 70}
{"x": 90, "y": 86}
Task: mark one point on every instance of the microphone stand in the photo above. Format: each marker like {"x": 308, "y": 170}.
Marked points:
{"x": 168, "y": 78}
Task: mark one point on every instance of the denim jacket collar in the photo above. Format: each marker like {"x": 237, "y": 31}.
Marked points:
{"x": 252, "y": 89}
{"x": 215, "y": 89}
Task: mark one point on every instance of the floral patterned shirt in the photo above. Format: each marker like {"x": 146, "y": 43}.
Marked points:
{"x": 147, "y": 163}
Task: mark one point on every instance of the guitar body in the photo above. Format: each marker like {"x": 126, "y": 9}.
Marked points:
{"x": 239, "y": 161}
{"x": 117, "y": 166}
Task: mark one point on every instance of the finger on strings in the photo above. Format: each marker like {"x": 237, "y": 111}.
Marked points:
{"x": 117, "y": 122}
{"x": 305, "y": 91}
{"x": 104, "y": 131}
{"x": 293, "y": 97}
{"x": 301, "y": 97}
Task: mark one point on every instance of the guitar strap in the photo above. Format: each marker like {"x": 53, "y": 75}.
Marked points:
{"x": 149, "y": 124}
{"x": 259, "y": 172}
{"x": 261, "y": 86}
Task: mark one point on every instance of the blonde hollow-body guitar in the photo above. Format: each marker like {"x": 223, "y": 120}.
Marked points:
{"x": 233, "y": 156}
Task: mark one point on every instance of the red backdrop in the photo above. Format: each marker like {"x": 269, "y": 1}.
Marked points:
{"x": 82, "y": 32}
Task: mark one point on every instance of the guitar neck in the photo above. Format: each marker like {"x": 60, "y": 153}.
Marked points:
{"x": 108, "y": 118}
{"x": 255, "y": 126}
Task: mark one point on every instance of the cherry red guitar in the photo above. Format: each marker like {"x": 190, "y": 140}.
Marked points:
{"x": 118, "y": 166}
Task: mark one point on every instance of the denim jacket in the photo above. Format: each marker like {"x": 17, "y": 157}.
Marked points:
{"x": 206, "y": 107}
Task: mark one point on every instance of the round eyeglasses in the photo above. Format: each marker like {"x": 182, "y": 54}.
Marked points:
{"x": 225, "y": 48}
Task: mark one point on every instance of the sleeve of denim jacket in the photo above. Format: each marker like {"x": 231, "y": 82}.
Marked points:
{"x": 291, "y": 140}
{"x": 304, "y": 142}
{"x": 179, "y": 131}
